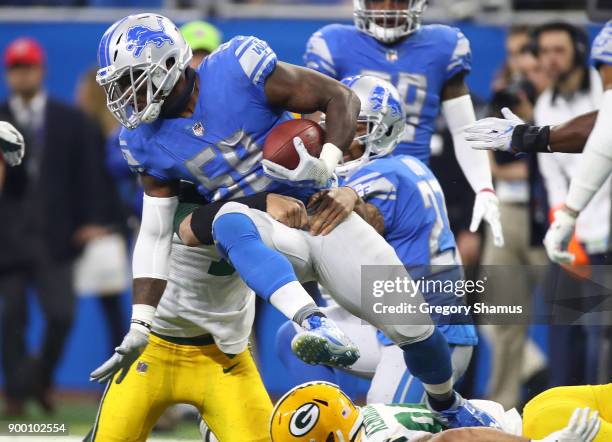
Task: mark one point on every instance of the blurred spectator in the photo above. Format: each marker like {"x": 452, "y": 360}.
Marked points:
{"x": 203, "y": 39}
{"x": 576, "y": 89}
{"x": 523, "y": 246}
{"x": 102, "y": 270}
{"x": 48, "y": 210}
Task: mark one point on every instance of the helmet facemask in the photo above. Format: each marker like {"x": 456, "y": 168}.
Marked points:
{"x": 388, "y": 25}
{"x": 126, "y": 88}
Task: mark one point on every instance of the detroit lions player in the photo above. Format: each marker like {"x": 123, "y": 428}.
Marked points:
{"x": 207, "y": 127}
{"x": 427, "y": 64}
{"x": 589, "y": 132}
{"x": 404, "y": 202}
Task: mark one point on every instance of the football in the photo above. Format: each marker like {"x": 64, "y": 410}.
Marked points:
{"x": 279, "y": 148}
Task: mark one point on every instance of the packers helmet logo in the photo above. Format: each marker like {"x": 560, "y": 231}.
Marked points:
{"x": 304, "y": 419}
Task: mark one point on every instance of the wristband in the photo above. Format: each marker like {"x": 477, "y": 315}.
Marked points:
{"x": 331, "y": 156}
{"x": 526, "y": 138}
{"x": 142, "y": 316}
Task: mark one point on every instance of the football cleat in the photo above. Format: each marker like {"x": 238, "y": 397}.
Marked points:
{"x": 464, "y": 414}
{"x": 322, "y": 342}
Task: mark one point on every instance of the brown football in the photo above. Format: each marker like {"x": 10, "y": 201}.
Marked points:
{"x": 279, "y": 148}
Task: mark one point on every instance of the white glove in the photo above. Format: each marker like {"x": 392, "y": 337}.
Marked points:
{"x": 581, "y": 428}
{"x": 310, "y": 170}
{"x": 486, "y": 206}
{"x": 130, "y": 349}
{"x": 559, "y": 235}
{"x": 493, "y": 133}
{"x": 11, "y": 144}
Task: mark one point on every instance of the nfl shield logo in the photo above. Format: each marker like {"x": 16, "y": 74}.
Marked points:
{"x": 392, "y": 55}
{"x": 198, "y": 129}
{"x": 141, "y": 367}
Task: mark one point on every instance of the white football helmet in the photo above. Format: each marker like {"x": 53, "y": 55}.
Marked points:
{"x": 141, "y": 58}
{"x": 388, "y": 25}
{"x": 384, "y": 116}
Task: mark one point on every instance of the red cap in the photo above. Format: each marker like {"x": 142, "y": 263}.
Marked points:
{"x": 25, "y": 51}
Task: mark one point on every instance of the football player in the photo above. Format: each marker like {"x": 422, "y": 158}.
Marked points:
{"x": 207, "y": 127}
{"x": 196, "y": 354}
{"x": 401, "y": 198}
{"x": 321, "y": 412}
{"x": 589, "y": 132}
{"x": 428, "y": 65}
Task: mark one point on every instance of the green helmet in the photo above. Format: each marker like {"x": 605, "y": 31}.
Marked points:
{"x": 201, "y": 35}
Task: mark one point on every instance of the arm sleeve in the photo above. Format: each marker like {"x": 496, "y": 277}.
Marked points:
{"x": 461, "y": 58}
{"x": 152, "y": 250}
{"x": 319, "y": 57}
{"x": 601, "y": 53}
{"x": 596, "y": 162}
{"x": 554, "y": 179}
{"x": 379, "y": 190}
{"x": 459, "y": 113}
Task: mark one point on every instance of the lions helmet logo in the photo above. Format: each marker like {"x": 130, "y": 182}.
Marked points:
{"x": 304, "y": 419}
{"x": 138, "y": 37}
{"x": 377, "y": 99}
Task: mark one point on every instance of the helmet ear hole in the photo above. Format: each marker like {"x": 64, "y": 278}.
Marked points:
{"x": 390, "y": 130}
{"x": 330, "y": 437}
{"x": 170, "y": 62}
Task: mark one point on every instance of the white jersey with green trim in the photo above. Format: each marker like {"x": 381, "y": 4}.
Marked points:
{"x": 409, "y": 422}
{"x": 398, "y": 422}
{"x": 205, "y": 295}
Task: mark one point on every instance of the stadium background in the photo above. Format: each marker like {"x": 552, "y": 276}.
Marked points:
{"x": 70, "y": 38}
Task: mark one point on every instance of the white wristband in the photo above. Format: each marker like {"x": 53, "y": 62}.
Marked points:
{"x": 142, "y": 317}
{"x": 331, "y": 156}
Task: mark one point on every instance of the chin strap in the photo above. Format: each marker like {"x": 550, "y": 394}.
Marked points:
{"x": 173, "y": 107}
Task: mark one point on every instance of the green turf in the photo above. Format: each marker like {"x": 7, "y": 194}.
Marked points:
{"x": 79, "y": 415}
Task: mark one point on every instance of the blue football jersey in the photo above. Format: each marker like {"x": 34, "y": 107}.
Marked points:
{"x": 412, "y": 205}
{"x": 418, "y": 66}
{"x": 601, "y": 53}
{"x": 218, "y": 148}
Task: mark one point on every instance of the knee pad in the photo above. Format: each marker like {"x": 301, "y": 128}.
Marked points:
{"x": 408, "y": 334}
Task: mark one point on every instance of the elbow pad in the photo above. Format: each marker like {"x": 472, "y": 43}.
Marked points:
{"x": 152, "y": 250}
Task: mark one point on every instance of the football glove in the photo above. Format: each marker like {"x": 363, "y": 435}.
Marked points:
{"x": 493, "y": 133}
{"x": 11, "y": 144}
{"x": 310, "y": 171}
{"x": 130, "y": 349}
{"x": 559, "y": 235}
{"x": 486, "y": 206}
{"x": 581, "y": 428}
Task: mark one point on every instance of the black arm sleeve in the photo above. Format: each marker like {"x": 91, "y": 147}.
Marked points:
{"x": 202, "y": 218}
{"x": 526, "y": 138}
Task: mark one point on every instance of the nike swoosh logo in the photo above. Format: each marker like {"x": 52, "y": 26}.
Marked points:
{"x": 230, "y": 368}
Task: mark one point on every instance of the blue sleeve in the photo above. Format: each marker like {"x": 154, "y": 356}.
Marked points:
{"x": 139, "y": 159}
{"x": 249, "y": 61}
{"x": 461, "y": 57}
{"x": 378, "y": 189}
{"x": 318, "y": 54}
{"x": 601, "y": 53}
